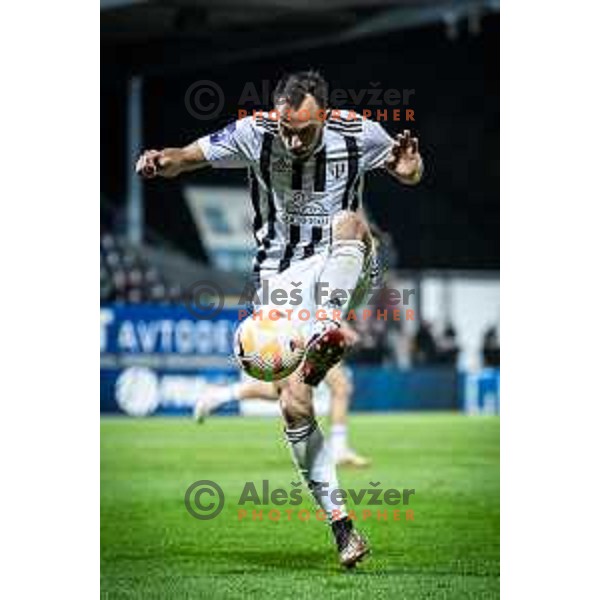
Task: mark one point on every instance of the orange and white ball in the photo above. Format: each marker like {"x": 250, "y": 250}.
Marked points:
{"x": 268, "y": 349}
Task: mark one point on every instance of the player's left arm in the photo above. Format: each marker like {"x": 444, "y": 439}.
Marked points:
{"x": 404, "y": 161}
{"x": 400, "y": 156}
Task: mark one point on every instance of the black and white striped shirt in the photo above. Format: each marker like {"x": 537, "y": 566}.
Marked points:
{"x": 294, "y": 200}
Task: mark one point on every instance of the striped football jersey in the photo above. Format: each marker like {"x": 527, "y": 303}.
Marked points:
{"x": 294, "y": 201}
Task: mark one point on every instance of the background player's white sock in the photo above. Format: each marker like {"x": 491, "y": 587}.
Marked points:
{"x": 343, "y": 268}
{"x": 339, "y": 440}
{"x": 313, "y": 459}
{"x": 217, "y": 395}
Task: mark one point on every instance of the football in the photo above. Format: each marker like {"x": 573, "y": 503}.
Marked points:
{"x": 268, "y": 349}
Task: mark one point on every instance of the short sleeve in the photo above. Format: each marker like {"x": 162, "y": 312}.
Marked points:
{"x": 377, "y": 144}
{"x": 231, "y": 147}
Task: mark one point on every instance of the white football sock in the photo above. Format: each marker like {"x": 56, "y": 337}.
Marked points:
{"x": 342, "y": 270}
{"x": 218, "y": 395}
{"x": 339, "y": 440}
{"x": 314, "y": 461}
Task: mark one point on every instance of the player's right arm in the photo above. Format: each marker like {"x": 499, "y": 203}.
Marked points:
{"x": 234, "y": 146}
{"x": 170, "y": 162}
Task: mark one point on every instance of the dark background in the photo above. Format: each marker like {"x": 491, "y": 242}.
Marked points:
{"x": 451, "y": 220}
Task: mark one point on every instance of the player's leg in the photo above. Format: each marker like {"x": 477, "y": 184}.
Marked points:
{"x": 348, "y": 260}
{"x": 350, "y": 254}
{"x": 214, "y": 396}
{"x": 341, "y": 389}
{"x": 340, "y": 385}
{"x": 311, "y": 456}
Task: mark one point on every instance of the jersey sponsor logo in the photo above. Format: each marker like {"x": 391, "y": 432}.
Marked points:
{"x": 300, "y": 210}
{"x": 298, "y": 200}
{"x": 322, "y": 220}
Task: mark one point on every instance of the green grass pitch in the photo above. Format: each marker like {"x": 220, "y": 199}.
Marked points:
{"x": 152, "y": 548}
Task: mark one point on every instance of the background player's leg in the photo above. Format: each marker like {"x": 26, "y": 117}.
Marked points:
{"x": 340, "y": 386}
{"x": 214, "y": 396}
{"x": 341, "y": 389}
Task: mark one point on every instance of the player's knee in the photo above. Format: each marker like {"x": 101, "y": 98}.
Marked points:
{"x": 349, "y": 226}
{"x": 295, "y": 415}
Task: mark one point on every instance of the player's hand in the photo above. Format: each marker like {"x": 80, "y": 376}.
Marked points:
{"x": 405, "y": 161}
{"x": 148, "y": 164}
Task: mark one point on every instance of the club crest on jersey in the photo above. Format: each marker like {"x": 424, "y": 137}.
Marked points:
{"x": 337, "y": 169}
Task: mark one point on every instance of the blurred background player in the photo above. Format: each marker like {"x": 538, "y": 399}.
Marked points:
{"x": 338, "y": 382}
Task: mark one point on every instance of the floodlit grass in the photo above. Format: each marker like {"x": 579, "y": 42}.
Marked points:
{"x": 152, "y": 547}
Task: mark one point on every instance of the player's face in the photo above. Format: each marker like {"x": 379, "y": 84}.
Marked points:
{"x": 300, "y": 129}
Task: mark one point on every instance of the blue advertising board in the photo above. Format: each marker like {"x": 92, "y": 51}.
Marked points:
{"x": 158, "y": 359}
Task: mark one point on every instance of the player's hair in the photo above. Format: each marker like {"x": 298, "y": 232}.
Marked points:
{"x": 294, "y": 87}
